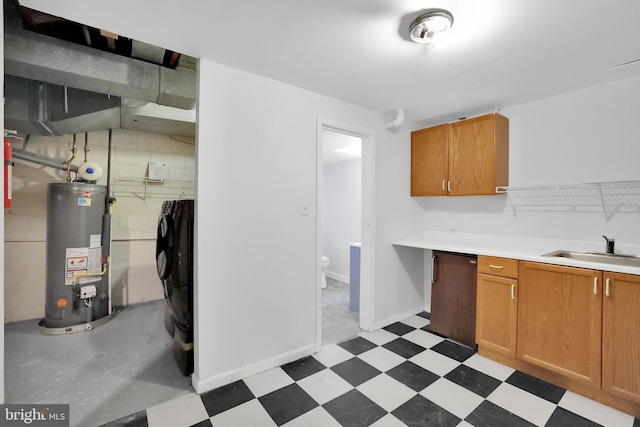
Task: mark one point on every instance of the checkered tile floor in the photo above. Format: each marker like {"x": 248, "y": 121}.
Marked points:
{"x": 400, "y": 375}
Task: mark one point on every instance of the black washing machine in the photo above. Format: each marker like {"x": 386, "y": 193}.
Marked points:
{"x": 174, "y": 259}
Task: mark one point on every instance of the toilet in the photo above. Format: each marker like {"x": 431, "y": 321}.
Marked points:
{"x": 325, "y": 264}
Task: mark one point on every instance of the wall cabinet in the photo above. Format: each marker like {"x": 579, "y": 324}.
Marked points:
{"x": 621, "y": 336}
{"x": 560, "y": 320}
{"x": 497, "y": 304}
{"x": 469, "y": 157}
{"x": 429, "y": 168}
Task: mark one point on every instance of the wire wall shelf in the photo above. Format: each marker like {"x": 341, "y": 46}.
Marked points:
{"x": 582, "y": 186}
{"x": 608, "y": 197}
{"x": 145, "y": 188}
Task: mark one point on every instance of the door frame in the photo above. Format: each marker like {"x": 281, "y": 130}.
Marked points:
{"x": 367, "y": 273}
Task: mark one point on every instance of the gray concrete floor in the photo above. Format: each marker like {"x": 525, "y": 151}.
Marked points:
{"x": 338, "y": 323}
{"x": 123, "y": 366}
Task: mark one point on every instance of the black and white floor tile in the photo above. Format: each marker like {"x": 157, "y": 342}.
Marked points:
{"x": 402, "y": 375}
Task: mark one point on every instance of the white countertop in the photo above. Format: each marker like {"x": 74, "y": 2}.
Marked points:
{"x": 521, "y": 248}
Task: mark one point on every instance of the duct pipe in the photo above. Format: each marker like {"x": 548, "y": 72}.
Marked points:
{"x": 397, "y": 121}
{"x": 38, "y": 57}
{"x": 42, "y": 160}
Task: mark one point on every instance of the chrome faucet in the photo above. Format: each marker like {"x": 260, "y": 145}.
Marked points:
{"x": 610, "y": 243}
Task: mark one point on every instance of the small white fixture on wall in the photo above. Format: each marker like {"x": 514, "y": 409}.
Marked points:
{"x": 156, "y": 171}
{"x": 395, "y": 123}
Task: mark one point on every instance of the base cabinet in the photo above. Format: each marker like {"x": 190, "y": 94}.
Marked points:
{"x": 577, "y": 328}
{"x": 560, "y": 320}
{"x": 497, "y": 305}
{"x": 621, "y": 336}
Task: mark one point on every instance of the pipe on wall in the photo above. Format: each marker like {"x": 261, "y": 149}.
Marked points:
{"x": 395, "y": 123}
{"x": 42, "y": 160}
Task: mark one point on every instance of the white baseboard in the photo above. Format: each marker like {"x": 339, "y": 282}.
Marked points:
{"x": 206, "y": 384}
{"x": 394, "y": 319}
{"x": 339, "y": 277}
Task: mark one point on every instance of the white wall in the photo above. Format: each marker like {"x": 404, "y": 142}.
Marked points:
{"x": 399, "y": 271}
{"x": 584, "y": 136}
{"x": 256, "y": 274}
{"x": 341, "y": 214}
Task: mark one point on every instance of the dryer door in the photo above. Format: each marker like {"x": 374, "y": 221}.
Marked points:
{"x": 165, "y": 242}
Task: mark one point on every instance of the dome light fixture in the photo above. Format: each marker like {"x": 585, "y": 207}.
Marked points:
{"x": 424, "y": 28}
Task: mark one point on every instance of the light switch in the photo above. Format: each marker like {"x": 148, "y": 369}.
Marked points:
{"x": 305, "y": 209}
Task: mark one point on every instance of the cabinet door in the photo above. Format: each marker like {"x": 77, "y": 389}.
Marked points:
{"x": 621, "y": 336}
{"x": 478, "y": 155}
{"x": 429, "y": 161}
{"x": 497, "y": 314}
{"x": 453, "y": 297}
{"x": 560, "y": 320}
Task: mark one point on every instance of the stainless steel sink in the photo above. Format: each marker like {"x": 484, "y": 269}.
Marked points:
{"x": 601, "y": 257}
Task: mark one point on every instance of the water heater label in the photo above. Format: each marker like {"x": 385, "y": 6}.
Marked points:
{"x": 95, "y": 240}
{"x": 84, "y": 201}
{"x": 77, "y": 263}
{"x": 83, "y": 265}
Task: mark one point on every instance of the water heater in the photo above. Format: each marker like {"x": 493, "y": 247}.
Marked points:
{"x": 77, "y": 288}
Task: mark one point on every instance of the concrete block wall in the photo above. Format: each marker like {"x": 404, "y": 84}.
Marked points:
{"x": 134, "y": 216}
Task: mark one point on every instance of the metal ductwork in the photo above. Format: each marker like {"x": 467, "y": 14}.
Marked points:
{"x": 37, "y": 57}
{"x": 158, "y": 118}
{"x": 38, "y": 108}
{"x": 56, "y": 87}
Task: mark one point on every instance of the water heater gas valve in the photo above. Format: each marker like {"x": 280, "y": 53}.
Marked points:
{"x": 87, "y": 292}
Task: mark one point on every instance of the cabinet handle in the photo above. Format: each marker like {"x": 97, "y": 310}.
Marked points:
{"x": 606, "y": 289}
{"x": 595, "y": 286}
{"x": 449, "y": 186}
{"x": 433, "y": 269}
{"x": 495, "y": 267}
{"x": 513, "y": 292}
{"x": 444, "y": 185}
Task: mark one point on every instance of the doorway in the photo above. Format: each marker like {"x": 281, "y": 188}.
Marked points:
{"x": 342, "y": 187}
{"x": 344, "y": 230}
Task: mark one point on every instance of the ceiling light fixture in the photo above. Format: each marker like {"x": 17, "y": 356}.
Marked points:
{"x": 424, "y": 28}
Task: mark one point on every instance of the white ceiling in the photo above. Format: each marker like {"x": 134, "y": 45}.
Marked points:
{"x": 498, "y": 53}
